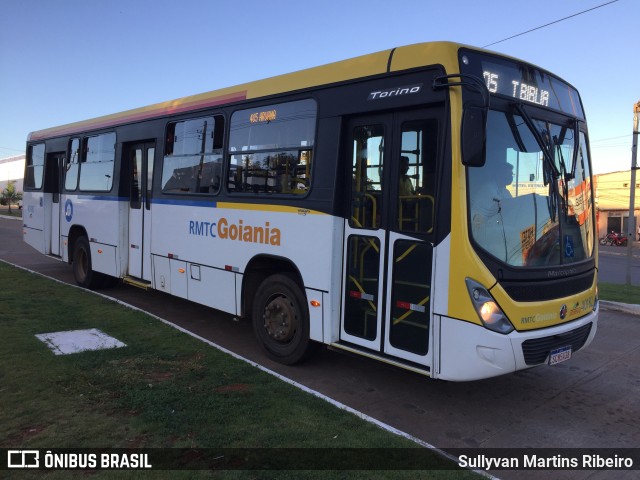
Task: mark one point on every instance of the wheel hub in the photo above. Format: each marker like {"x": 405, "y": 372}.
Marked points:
{"x": 279, "y": 319}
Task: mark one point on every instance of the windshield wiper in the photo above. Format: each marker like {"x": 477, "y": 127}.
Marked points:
{"x": 551, "y": 170}
{"x": 576, "y": 147}
{"x": 515, "y": 132}
{"x": 550, "y": 179}
{"x": 567, "y": 173}
{"x": 566, "y": 176}
{"x": 546, "y": 152}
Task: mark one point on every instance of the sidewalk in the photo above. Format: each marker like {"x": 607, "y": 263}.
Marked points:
{"x": 629, "y": 308}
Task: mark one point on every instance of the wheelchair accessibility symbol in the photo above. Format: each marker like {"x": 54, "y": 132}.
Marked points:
{"x": 68, "y": 210}
{"x": 568, "y": 246}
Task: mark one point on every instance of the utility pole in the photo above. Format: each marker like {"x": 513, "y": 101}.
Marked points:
{"x": 632, "y": 193}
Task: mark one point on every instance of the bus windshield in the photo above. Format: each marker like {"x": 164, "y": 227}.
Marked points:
{"x": 530, "y": 204}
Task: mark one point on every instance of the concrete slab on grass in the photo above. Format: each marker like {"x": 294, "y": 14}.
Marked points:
{"x": 74, "y": 341}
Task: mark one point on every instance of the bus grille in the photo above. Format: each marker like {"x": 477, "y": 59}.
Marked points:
{"x": 537, "y": 350}
{"x": 531, "y": 291}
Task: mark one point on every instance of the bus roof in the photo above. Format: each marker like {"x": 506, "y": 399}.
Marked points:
{"x": 401, "y": 58}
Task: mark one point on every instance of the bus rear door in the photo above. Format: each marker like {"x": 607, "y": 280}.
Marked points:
{"x": 52, "y": 205}
{"x": 140, "y": 157}
{"x": 387, "y": 264}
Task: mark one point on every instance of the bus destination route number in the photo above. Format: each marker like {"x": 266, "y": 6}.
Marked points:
{"x": 261, "y": 117}
{"x": 518, "y": 89}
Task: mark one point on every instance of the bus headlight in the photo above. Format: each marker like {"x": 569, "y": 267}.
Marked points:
{"x": 490, "y": 314}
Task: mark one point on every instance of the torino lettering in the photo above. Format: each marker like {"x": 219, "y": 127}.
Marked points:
{"x": 394, "y": 92}
{"x": 240, "y": 232}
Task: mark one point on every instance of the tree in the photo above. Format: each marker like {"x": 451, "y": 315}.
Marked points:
{"x": 9, "y": 194}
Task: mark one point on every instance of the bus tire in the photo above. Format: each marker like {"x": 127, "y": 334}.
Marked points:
{"x": 281, "y": 319}
{"x": 82, "y": 270}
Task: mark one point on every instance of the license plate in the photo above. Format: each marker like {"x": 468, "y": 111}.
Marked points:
{"x": 559, "y": 355}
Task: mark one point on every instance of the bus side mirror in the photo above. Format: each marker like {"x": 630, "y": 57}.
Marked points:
{"x": 474, "y": 136}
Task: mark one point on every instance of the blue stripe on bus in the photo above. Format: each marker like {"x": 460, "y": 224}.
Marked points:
{"x": 109, "y": 198}
{"x": 190, "y": 203}
{"x": 161, "y": 201}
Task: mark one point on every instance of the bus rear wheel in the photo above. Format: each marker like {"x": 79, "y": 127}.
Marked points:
{"x": 82, "y": 271}
{"x": 281, "y": 319}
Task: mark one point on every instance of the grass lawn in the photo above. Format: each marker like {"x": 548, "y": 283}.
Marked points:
{"x": 165, "y": 389}
{"x": 15, "y": 211}
{"x": 619, "y": 292}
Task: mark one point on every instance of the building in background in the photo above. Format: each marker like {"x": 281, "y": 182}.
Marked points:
{"x": 612, "y": 202}
{"x": 12, "y": 169}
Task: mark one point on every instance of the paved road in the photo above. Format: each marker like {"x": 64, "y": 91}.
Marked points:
{"x": 613, "y": 263}
{"x": 591, "y": 401}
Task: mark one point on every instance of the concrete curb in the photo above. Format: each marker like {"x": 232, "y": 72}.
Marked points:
{"x": 621, "y": 307}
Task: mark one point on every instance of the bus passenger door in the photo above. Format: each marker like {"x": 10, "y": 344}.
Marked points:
{"x": 407, "y": 332}
{"x": 368, "y": 147}
{"x": 140, "y": 156}
{"x": 52, "y": 187}
{"x": 388, "y": 252}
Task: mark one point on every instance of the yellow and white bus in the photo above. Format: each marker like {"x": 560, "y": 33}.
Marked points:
{"x": 429, "y": 206}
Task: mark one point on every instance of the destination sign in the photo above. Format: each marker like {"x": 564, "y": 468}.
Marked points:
{"x": 521, "y": 90}
{"x": 521, "y": 81}
{"x": 266, "y": 116}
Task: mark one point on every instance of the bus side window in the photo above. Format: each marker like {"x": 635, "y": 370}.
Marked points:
{"x": 34, "y": 167}
{"x": 96, "y": 171}
{"x": 193, "y": 156}
{"x": 271, "y": 149}
{"x": 72, "y": 165}
{"x": 367, "y": 167}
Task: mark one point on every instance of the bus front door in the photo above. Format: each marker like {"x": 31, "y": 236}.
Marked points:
{"x": 140, "y": 157}
{"x": 387, "y": 264}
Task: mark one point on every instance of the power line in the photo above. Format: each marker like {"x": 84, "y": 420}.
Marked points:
{"x": 610, "y": 138}
{"x": 12, "y": 149}
{"x": 551, "y": 23}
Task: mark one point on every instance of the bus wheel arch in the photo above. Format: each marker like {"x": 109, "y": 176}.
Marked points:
{"x": 257, "y": 270}
{"x": 80, "y": 258}
{"x": 75, "y": 232}
{"x": 82, "y": 267}
{"x": 274, "y": 291}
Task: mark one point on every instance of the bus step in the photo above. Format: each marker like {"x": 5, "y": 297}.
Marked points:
{"x": 136, "y": 282}
{"x": 361, "y": 351}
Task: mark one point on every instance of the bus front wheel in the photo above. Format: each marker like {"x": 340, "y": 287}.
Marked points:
{"x": 82, "y": 271}
{"x": 281, "y": 319}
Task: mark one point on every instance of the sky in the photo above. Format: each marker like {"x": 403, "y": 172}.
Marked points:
{"x": 63, "y": 61}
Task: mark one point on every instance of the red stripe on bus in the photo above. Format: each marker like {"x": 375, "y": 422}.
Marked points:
{"x": 165, "y": 108}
